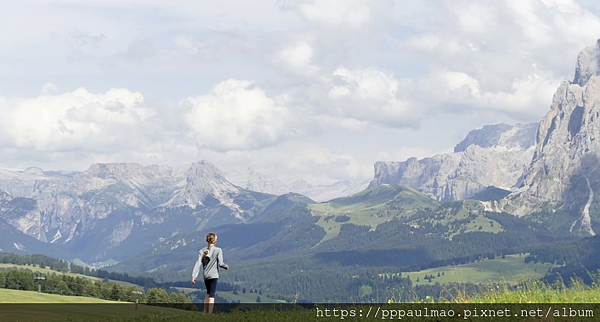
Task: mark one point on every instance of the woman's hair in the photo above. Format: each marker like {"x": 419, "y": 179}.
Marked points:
{"x": 211, "y": 238}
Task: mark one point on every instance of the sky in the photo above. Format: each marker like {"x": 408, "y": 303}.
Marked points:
{"x": 312, "y": 90}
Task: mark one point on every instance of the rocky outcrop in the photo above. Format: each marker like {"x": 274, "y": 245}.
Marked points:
{"x": 495, "y": 155}
{"x": 107, "y": 203}
{"x": 564, "y": 171}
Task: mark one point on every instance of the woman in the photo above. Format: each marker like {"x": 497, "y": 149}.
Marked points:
{"x": 211, "y": 258}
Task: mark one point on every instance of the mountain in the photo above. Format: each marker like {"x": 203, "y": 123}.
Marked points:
{"x": 390, "y": 228}
{"x": 563, "y": 174}
{"x": 118, "y": 209}
{"x": 251, "y": 179}
{"x": 495, "y": 155}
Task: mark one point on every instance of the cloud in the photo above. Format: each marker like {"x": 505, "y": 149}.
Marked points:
{"x": 238, "y": 115}
{"x": 77, "y": 120}
{"x": 336, "y": 13}
{"x": 294, "y": 160}
{"x": 189, "y": 44}
{"x": 370, "y": 94}
{"x": 507, "y": 56}
{"x": 297, "y": 58}
{"x": 285, "y": 84}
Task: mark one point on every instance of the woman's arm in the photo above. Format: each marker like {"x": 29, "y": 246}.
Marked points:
{"x": 196, "y": 269}
{"x": 220, "y": 261}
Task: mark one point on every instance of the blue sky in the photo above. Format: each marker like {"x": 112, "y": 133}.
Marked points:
{"x": 314, "y": 90}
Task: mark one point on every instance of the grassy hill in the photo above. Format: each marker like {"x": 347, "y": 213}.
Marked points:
{"x": 17, "y": 296}
{"x": 512, "y": 269}
{"x": 46, "y": 270}
{"x": 499, "y": 299}
{"x": 370, "y": 207}
{"x": 461, "y": 217}
{"x": 31, "y": 306}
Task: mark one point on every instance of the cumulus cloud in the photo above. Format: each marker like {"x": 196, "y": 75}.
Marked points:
{"x": 297, "y": 58}
{"x": 238, "y": 115}
{"x": 75, "y": 120}
{"x": 508, "y": 56}
{"x": 294, "y": 160}
{"x": 370, "y": 94}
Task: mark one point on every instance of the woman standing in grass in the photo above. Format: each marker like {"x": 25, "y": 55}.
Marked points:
{"x": 211, "y": 258}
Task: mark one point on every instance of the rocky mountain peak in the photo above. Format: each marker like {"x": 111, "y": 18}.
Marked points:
{"x": 114, "y": 170}
{"x": 197, "y": 181}
{"x": 495, "y": 155}
{"x": 509, "y": 136}
{"x": 564, "y": 168}
{"x": 588, "y": 64}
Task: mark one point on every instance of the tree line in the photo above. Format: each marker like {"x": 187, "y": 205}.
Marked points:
{"x": 26, "y": 280}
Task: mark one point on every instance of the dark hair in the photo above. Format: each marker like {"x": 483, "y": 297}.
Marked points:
{"x": 211, "y": 238}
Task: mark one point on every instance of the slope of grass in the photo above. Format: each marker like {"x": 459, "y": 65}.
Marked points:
{"x": 31, "y": 306}
{"x": 17, "y": 296}
{"x": 462, "y": 217}
{"x": 544, "y": 296}
{"x": 47, "y": 270}
{"x": 369, "y": 208}
{"x": 511, "y": 269}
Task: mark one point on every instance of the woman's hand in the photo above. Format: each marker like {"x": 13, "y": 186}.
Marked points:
{"x": 193, "y": 281}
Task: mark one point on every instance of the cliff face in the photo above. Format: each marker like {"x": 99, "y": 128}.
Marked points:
{"x": 564, "y": 169}
{"x": 495, "y": 155}
{"x": 100, "y": 209}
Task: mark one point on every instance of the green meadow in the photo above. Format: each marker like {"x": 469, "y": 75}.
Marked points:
{"x": 512, "y": 269}
{"x": 30, "y": 306}
{"x": 369, "y": 208}
{"x": 47, "y": 270}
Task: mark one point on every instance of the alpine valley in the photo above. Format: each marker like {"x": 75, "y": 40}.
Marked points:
{"x": 505, "y": 190}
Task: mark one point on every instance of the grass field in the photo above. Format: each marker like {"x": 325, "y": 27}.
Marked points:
{"x": 511, "y": 269}
{"x": 369, "y": 208}
{"x": 501, "y": 298}
{"x": 17, "y": 296}
{"x": 449, "y": 216}
{"x": 31, "y": 306}
{"x": 46, "y": 270}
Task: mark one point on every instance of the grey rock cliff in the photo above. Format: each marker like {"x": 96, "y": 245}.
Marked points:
{"x": 495, "y": 155}
{"x": 564, "y": 169}
{"x": 107, "y": 203}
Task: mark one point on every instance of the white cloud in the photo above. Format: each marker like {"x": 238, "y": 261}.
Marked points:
{"x": 189, "y": 44}
{"x": 297, "y": 58}
{"x": 369, "y": 94}
{"x": 505, "y": 56}
{"x": 75, "y": 120}
{"x": 238, "y": 115}
{"x": 49, "y": 88}
{"x": 337, "y": 13}
{"x": 294, "y": 160}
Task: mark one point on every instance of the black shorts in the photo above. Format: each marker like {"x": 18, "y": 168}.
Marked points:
{"x": 211, "y": 286}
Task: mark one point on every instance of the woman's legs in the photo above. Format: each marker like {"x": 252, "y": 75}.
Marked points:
{"x": 209, "y": 300}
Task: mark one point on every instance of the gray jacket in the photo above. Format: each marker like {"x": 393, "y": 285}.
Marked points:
{"x": 210, "y": 263}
